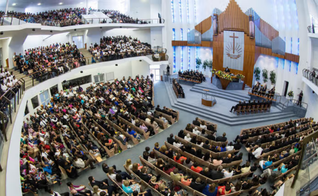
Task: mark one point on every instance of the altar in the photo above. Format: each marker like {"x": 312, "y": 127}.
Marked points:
{"x": 227, "y": 82}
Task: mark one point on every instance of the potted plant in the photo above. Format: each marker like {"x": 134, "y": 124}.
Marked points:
{"x": 205, "y": 64}
{"x": 272, "y": 77}
{"x": 198, "y": 63}
{"x": 257, "y": 73}
{"x": 240, "y": 77}
{"x": 265, "y": 75}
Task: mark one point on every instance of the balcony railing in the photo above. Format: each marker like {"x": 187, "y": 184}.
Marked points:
{"x": 8, "y": 106}
{"x": 10, "y": 20}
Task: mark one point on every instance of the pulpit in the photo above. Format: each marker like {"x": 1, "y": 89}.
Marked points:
{"x": 207, "y": 100}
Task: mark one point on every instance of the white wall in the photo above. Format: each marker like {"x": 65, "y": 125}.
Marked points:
{"x": 156, "y": 36}
{"x": 312, "y": 12}
{"x": 155, "y": 8}
{"x": 4, "y": 44}
{"x": 121, "y": 5}
{"x": 140, "y": 68}
{"x": 33, "y": 41}
{"x": 140, "y": 9}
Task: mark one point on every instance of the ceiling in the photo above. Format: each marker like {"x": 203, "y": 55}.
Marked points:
{"x": 44, "y": 3}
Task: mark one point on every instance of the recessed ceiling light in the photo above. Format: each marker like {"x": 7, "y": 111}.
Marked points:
{"x": 39, "y": 3}
{"x": 60, "y": 3}
{"x": 14, "y": 4}
{"x": 81, "y": 2}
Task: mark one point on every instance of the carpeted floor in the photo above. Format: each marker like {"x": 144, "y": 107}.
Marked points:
{"x": 162, "y": 99}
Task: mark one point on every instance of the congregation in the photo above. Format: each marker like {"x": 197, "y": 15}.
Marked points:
{"x": 190, "y": 75}
{"x": 259, "y": 89}
{"x": 118, "y": 47}
{"x": 177, "y": 89}
{"x": 252, "y": 106}
{"x": 79, "y": 128}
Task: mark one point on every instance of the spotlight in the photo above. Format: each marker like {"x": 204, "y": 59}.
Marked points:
{"x": 1, "y": 33}
{"x": 140, "y": 60}
{"x": 51, "y": 31}
{"x": 81, "y": 71}
{"x": 100, "y": 27}
{"x": 116, "y": 64}
{"x": 74, "y": 29}
{"x": 64, "y": 81}
{"x": 39, "y": 3}
{"x": 33, "y": 29}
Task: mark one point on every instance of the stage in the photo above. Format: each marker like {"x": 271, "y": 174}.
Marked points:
{"x": 225, "y": 99}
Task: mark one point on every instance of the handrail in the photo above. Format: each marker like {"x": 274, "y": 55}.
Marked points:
{"x": 295, "y": 101}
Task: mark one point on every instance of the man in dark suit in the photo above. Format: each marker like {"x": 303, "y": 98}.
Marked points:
{"x": 228, "y": 159}
{"x": 236, "y": 106}
{"x": 206, "y": 172}
{"x": 218, "y": 174}
{"x": 196, "y": 122}
{"x": 101, "y": 184}
{"x": 197, "y": 185}
{"x": 227, "y": 70}
{"x": 237, "y": 145}
{"x": 170, "y": 139}
{"x": 222, "y": 138}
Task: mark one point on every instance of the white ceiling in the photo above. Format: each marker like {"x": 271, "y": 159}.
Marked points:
{"x": 44, "y": 3}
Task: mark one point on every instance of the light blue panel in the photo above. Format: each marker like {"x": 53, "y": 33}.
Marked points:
{"x": 261, "y": 40}
{"x": 216, "y": 11}
{"x": 278, "y": 46}
{"x": 194, "y": 37}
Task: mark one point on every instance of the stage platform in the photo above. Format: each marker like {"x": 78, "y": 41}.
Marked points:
{"x": 220, "y": 111}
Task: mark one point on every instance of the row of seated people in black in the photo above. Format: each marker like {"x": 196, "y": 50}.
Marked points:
{"x": 251, "y": 104}
{"x": 259, "y": 89}
{"x": 177, "y": 87}
{"x": 192, "y": 75}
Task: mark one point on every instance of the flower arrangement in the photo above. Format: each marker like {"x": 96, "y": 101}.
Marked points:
{"x": 240, "y": 76}
{"x": 213, "y": 71}
{"x": 227, "y": 77}
{"x": 290, "y": 94}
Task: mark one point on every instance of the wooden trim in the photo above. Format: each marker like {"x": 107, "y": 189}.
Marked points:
{"x": 185, "y": 43}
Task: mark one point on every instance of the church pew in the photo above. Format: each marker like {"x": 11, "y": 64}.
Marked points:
{"x": 286, "y": 173}
{"x": 127, "y": 135}
{"x": 176, "y": 113}
{"x": 284, "y": 160}
{"x": 214, "y": 154}
{"x": 137, "y": 129}
{"x": 265, "y": 126}
{"x": 200, "y": 160}
{"x": 115, "y": 183}
{"x": 160, "y": 122}
{"x": 83, "y": 147}
{"x": 195, "y": 174}
{"x": 168, "y": 117}
{"x": 203, "y": 139}
{"x": 121, "y": 145}
{"x": 131, "y": 173}
{"x": 162, "y": 173}
{"x": 147, "y": 124}
{"x": 109, "y": 152}
{"x": 209, "y": 123}
{"x": 200, "y": 129}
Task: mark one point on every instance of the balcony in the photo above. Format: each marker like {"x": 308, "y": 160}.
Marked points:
{"x": 311, "y": 79}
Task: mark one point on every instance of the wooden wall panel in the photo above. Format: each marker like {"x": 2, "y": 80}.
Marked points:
{"x": 257, "y": 53}
{"x": 205, "y": 25}
{"x": 179, "y": 43}
{"x": 292, "y": 57}
{"x": 233, "y": 18}
{"x": 198, "y": 27}
{"x": 218, "y": 52}
{"x": 268, "y": 30}
{"x": 249, "y": 60}
{"x": 185, "y": 43}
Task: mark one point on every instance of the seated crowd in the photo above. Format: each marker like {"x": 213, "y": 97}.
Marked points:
{"x": 49, "y": 61}
{"x": 7, "y": 81}
{"x": 261, "y": 90}
{"x": 118, "y": 17}
{"x": 112, "y": 48}
{"x": 73, "y": 131}
{"x": 191, "y": 75}
{"x": 60, "y": 18}
{"x": 177, "y": 89}
{"x": 193, "y": 163}
{"x": 252, "y": 106}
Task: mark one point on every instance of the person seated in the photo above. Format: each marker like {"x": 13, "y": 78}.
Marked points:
{"x": 227, "y": 159}
{"x": 175, "y": 175}
{"x": 246, "y": 167}
{"x": 196, "y": 168}
{"x": 222, "y": 138}
{"x": 228, "y": 173}
{"x": 217, "y": 174}
{"x": 130, "y": 186}
{"x": 186, "y": 180}
{"x": 206, "y": 172}
{"x": 227, "y": 70}
{"x": 198, "y": 185}
{"x": 225, "y": 189}
{"x": 143, "y": 174}
{"x": 210, "y": 190}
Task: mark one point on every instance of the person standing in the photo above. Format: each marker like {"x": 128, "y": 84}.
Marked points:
{"x": 300, "y": 98}
{"x": 168, "y": 70}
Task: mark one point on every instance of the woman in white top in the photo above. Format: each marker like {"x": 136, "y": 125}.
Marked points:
{"x": 203, "y": 126}
{"x": 187, "y": 137}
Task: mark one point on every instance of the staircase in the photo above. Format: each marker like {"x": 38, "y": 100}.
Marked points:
{"x": 228, "y": 119}
{"x": 28, "y": 79}
{"x": 85, "y": 53}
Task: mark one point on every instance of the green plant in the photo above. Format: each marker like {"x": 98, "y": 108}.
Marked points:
{"x": 240, "y": 76}
{"x": 265, "y": 75}
{"x": 205, "y": 64}
{"x": 198, "y": 63}
{"x": 290, "y": 94}
{"x": 257, "y": 73}
{"x": 272, "y": 77}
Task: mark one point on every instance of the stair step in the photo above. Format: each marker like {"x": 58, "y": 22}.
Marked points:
{"x": 220, "y": 95}
{"x": 227, "y": 92}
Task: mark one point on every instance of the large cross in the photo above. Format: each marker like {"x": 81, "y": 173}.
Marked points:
{"x": 234, "y": 41}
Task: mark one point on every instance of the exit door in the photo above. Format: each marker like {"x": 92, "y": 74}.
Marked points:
{"x": 156, "y": 74}
{"x": 78, "y": 40}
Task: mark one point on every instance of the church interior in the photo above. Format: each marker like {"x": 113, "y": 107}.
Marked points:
{"x": 158, "y": 98}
